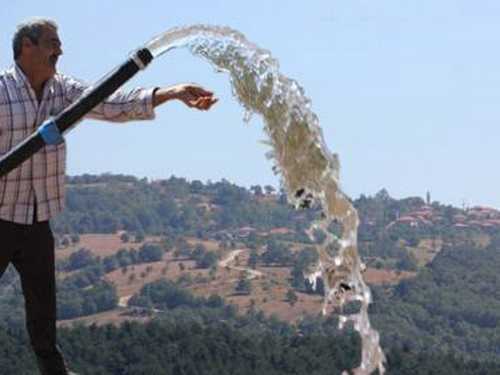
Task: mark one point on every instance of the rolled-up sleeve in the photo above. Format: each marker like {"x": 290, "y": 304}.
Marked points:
{"x": 136, "y": 104}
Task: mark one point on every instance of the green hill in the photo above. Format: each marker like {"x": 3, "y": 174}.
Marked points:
{"x": 442, "y": 320}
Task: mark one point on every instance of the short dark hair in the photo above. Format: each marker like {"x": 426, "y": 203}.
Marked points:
{"x": 31, "y": 29}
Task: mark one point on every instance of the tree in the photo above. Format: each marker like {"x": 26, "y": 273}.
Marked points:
{"x": 253, "y": 259}
{"x": 213, "y": 272}
{"x": 198, "y": 253}
{"x": 197, "y": 187}
{"x": 75, "y": 238}
{"x": 382, "y": 195}
{"x": 407, "y": 262}
{"x": 80, "y": 259}
{"x": 244, "y": 286}
{"x": 125, "y": 237}
{"x": 297, "y": 277}
{"x": 110, "y": 264}
{"x": 276, "y": 253}
{"x": 257, "y": 190}
{"x": 150, "y": 253}
{"x": 269, "y": 189}
{"x": 209, "y": 259}
{"x": 291, "y": 297}
{"x": 139, "y": 237}
{"x": 65, "y": 242}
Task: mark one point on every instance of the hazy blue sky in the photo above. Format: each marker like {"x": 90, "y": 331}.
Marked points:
{"x": 407, "y": 91}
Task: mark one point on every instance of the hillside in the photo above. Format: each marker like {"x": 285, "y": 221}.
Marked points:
{"x": 267, "y": 236}
{"x": 133, "y": 250}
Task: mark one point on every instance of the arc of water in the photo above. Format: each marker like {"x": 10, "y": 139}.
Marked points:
{"x": 310, "y": 172}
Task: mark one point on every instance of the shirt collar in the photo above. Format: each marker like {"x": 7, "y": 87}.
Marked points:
{"x": 21, "y": 79}
{"x": 19, "y": 76}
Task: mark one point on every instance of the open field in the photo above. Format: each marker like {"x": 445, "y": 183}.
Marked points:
{"x": 269, "y": 285}
{"x": 101, "y": 245}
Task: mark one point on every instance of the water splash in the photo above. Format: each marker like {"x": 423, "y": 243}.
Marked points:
{"x": 310, "y": 172}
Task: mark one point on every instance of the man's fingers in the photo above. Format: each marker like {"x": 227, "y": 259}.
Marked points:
{"x": 206, "y": 103}
{"x": 197, "y": 102}
{"x": 212, "y": 101}
{"x": 203, "y": 103}
{"x": 200, "y": 91}
{"x": 209, "y": 102}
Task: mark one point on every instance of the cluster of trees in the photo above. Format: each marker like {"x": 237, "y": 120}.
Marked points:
{"x": 389, "y": 252}
{"x": 176, "y": 206}
{"x": 211, "y": 339}
{"x": 276, "y": 253}
{"x": 86, "y": 179}
{"x": 445, "y": 320}
{"x": 84, "y": 260}
{"x": 72, "y": 299}
{"x": 302, "y": 266}
{"x": 243, "y": 286}
{"x": 452, "y": 304}
{"x": 166, "y": 295}
{"x": 203, "y": 257}
{"x": 387, "y": 245}
{"x": 105, "y": 204}
{"x": 72, "y": 303}
{"x": 84, "y": 292}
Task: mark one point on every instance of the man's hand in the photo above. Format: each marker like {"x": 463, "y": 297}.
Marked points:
{"x": 192, "y": 95}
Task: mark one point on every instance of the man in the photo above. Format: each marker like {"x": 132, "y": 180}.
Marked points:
{"x": 30, "y": 92}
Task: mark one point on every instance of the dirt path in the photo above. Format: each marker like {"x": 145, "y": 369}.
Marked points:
{"x": 123, "y": 301}
{"x": 252, "y": 274}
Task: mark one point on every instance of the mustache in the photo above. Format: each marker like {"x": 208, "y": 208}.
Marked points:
{"x": 53, "y": 59}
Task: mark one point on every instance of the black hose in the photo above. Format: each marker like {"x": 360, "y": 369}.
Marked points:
{"x": 69, "y": 116}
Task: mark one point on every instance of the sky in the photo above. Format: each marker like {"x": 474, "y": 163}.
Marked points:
{"x": 406, "y": 92}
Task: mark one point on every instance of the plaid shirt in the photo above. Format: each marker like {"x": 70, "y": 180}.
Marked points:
{"x": 42, "y": 176}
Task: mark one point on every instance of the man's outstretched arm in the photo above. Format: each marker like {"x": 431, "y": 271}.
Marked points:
{"x": 138, "y": 103}
{"x": 192, "y": 95}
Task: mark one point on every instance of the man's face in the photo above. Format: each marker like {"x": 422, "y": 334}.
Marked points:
{"x": 43, "y": 56}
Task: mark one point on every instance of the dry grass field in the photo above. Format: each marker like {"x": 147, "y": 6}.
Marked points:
{"x": 269, "y": 284}
{"x": 100, "y": 245}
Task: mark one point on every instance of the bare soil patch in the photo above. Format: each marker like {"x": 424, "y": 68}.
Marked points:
{"x": 377, "y": 277}
{"x": 101, "y": 245}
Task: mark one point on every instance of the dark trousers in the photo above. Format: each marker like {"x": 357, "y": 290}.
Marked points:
{"x": 30, "y": 248}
